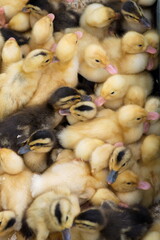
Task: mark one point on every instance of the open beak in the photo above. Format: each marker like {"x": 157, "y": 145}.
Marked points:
{"x": 112, "y": 177}
{"x": 24, "y": 149}
{"x": 66, "y": 235}
{"x": 64, "y": 112}
{"x": 144, "y": 21}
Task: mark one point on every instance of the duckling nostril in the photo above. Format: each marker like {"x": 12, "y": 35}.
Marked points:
{"x": 86, "y": 98}
{"x": 24, "y": 149}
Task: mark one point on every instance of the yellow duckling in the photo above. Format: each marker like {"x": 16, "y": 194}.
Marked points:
{"x": 42, "y": 33}
{"x": 131, "y": 52}
{"x": 153, "y": 125}
{"x": 9, "y": 9}
{"x": 50, "y": 212}
{"x": 14, "y": 178}
{"x": 60, "y": 73}
{"x": 11, "y": 53}
{"x": 96, "y": 19}
{"x": 128, "y": 187}
{"x": 127, "y": 123}
{"x": 115, "y": 89}
{"x": 21, "y": 79}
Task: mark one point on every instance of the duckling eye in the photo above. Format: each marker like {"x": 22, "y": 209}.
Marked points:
{"x": 112, "y": 93}
{"x": 47, "y": 60}
{"x": 78, "y": 115}
{"x": 129, "y": 183}
{"x": 67, "y": 218}
{"x": 123, "y": 164}
{"x": 97, "y": 60}
{"x": 140, "y": 45}
{"x": 109, "y": 18}
{"x": 138, "y": 119}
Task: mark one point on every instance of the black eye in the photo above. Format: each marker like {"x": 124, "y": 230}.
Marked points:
{"x": 47, "y": 60}
{"x": 129, "y": 183}
{"x": 66, "y": 218}
{"x": 138, "y": 119}
{"x": 123, "y": 164}
{"x": 140, "y": 45}
{"x": 109, "y": 18}
{"x": 97, "y": 60}
{"x": 112, "y": 93}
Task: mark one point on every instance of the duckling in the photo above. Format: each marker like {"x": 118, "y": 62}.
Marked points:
{"x": 146, "y": 2}
{"x": 11, "y": 53}
{"x": 113, "y": 222}
{"x": 152, "y": 37}
{"x": 9, "y": 9}
{"x": 131, "y": 52}
{"x": 29, "y": 70}
{"x": 29, "y": 15}
{"x": 114, "y": 90}
{"x": 128, "y": 187}
{"x": 14, "y": 178}
{"x": 42, "y": 33}
{"x": 37, "y": 149}
{"x": 96, "y": 19}
{"x": 16, "y": 129}
{"x": 81, "y": 111}
{"x": 61, "y": 73}
{"x": 50, "y": 212}
{"x": 127, "y": 123}
{"x": 153, "y": 105}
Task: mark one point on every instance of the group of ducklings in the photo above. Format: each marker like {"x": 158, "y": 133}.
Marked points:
{"x": 79, "y": 120}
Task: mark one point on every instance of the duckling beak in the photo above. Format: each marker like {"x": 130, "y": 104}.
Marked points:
{"x": 66, "y": 235}
{"x": 24, "y": 149}
{"x": 86, "y": 98}
{"x": 64, "y": 112}
{"x": 111, "y": 69}
{"x": 144, "y": 21}
{"x": 112, "y": 177}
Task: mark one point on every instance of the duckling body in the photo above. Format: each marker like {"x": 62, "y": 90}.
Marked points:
{"x": 22, "y": 78}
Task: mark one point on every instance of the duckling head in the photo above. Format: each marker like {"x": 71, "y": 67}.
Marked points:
{"x": 65, "y": 97}
{"x": 120, "y": 160}
{"x": 11, "y": 51}
{"x": 37, "y": 59}
{"x": 90, "y": 220}
{"x": 10, "y": 162}
{"x": 131, "y": 115}
{"x": 134, "y": 42}
{"x": 41, "y": 141}
{"x": 134, "y": 14}
{"x": 128, "y": 181}
{"x": 66, "y": 47}
{"x": 29, "y": 8}
{"x": 100, "y": 16}
{"x": 96, "y": 57}
{"x": 63, "y": 214}
{"x": 114, "y": 88}
{"x": 43, "y": 29}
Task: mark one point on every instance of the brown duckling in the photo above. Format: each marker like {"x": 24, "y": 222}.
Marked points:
{"x": 52, "y": 211}
{"x": 17, "y": 128}
{"x": 112, "y": 222}
{"x": 16, "y": 93}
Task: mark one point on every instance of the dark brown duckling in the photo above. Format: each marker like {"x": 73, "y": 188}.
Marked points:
{"x": 114, "y": 222}
{"x": 17, "y": 128}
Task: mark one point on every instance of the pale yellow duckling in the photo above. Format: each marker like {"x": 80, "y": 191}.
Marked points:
{"x": 52, "y": 211}
{"x": 114, "y": 90}
{"x": 63, "y": 72}
{"x": 96, "y": 19}
{"x": 125, "y": 125}
{"x": 42, "y": 33}
{"x": 11, "y": 8}
{"x": 21, "y": 79}
{"x": 153, "y": 105}
{"x": 131, "y": 52}
{"x": 153, "y": 39}
{"x": 14, "y": 178}
{"x": 128, "y": 187}
{"x": 11, "y": 53}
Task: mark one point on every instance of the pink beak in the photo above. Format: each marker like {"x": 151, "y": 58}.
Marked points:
{"x": 111, "y": 69}
{"x": 51, "y": 16}
{"x": 151, "y": 50}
